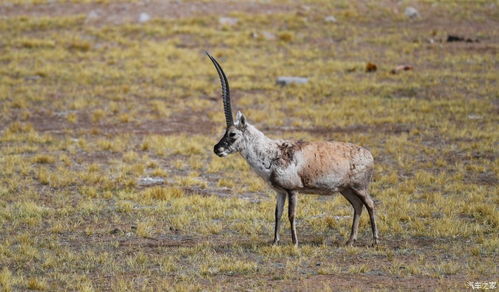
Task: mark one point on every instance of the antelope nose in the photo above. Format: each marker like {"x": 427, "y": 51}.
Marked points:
{"x": 218, "y": 150}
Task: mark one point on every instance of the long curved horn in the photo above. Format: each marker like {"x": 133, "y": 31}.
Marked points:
{"x": 225, "y": 91}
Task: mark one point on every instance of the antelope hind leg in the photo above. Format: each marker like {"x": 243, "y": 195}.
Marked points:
{"x": 357, "y": 205}
{"x": 369, "y": 203}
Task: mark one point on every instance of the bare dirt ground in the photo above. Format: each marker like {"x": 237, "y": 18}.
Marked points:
{"x": 122, "y": 12}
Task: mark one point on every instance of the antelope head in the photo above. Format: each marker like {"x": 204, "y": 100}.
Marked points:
{"x": 233, "y": 139}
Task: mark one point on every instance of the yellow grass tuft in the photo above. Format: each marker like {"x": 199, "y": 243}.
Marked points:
{"x": 43, "y": 159}
{"x": 6, "y": 279}
{"x": 37, "y": 284}
{"x": 163, "y": 193}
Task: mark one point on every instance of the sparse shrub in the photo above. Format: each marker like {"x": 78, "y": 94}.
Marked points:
{"x": 160, "y": 108}
{"x": 286, "y": 36}
{"x": 224, "y": 182}
{"x": 89, "y": 191}
{"x": 448, "y": 268}
{"x": 97, "y": 115}
{"x": 359, "y": 269}
{"x": 19, "y": 104}
{"x": 43, "y": 159}
{"x": 152, "y": 164}
{"x": 145, "y": 146}
{"x": 6, "y": 279}
{"x": 43, "y": 176}
{"x": 159, "y": 172}
{"x": 106, "y": 145}
{"x": 144, "y": 229}
{"x": 17, "y": 127}
{"x": 330, "y": 222}
{"x": 35, "y": 43}
{"x": 125, "y": 206}
{"x": 80, "y": 45}
{"x": 37, "y": 284}
{"x": 125, "y": 118}
{"x": 192, "y": 180}
{"x": 72, "y": 118}
{"x": 130, "y": 156}
{"x": 228, "y": 266}
{"x": 57, "y": 228}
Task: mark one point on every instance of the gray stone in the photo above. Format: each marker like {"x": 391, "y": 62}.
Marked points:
{"x": 265, "y": 35}
{"x": 92, "y": 15}
{"x": 474, "y": 117}
{"x": 286, "y": 80}
{"x": 305, "y": 8}
{"x": 268, "y": 36}
{"x": 147, "y": 181}
{"x": 32, "y": 78}
{"x": 144, "y": 17}
{"x": 330, "y": 18}
{"x": 411, "y": 12}
{"x": 228, "y": 21}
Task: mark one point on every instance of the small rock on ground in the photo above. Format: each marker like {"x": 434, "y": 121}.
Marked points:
{"x": 144, "y": 17}
{"x": 92, "y": 15}
{"x": 146, "y": 181}
{"x": 401, "y": 68}
{"x": 285, "y": 80}
{"x": 411, "y": 12}
{"x": 265, "y": 35}
{"x": 268, "y": 36}
{"x": 474, "y": 117}
{"x": 228, "y": 21}
{"x": 330, "y": 19}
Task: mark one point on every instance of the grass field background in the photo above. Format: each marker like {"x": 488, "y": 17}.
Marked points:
{"x": 92, "y": 101}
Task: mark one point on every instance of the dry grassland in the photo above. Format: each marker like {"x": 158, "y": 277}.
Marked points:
{"x": 90, "y": 105}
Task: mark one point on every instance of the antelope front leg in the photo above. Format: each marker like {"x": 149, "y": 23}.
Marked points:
{"x": 291, "y": 216}
{"x": 281, "y": 198}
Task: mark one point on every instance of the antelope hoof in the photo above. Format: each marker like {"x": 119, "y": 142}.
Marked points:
{"x": 275, "y": 242}
{"x": 375, "y": 243}
{"x": 350, "y": 242}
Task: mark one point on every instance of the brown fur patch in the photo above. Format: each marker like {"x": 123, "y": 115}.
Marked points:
{"x": 288, "y": 150}
{"x": 323, "y": 157}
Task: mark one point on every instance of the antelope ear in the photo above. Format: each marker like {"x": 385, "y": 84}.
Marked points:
{"x": 240, "y": 120}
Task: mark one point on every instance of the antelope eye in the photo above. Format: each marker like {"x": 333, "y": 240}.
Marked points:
{"x": 232, "y": 135}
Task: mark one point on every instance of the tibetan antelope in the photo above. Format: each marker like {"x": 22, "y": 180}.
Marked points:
{"x": 307, "y": 167}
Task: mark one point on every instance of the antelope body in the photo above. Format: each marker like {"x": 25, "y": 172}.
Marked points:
{"x": 307, "y": 167}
